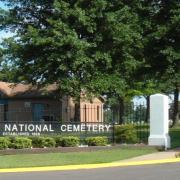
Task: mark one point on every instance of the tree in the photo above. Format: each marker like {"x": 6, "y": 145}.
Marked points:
{"x": 123, "y": 44}
{"x": 162, "y": 46}
{"x": 8, "y": 74}
{"x": 94, "y": 46}
{"x": 7, "y": 70}
{"x": 49, "y": 45}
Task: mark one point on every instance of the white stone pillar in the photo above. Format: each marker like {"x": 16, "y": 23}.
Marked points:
{"x": 159, "y": 121}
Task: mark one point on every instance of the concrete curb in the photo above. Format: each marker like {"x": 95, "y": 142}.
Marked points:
{"x": 89, "y": 166}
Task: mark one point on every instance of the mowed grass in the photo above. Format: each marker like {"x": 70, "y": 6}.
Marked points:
{"x": 174, "y": 133}
{"x": 175, "y": 137}
{"x": 58, "y": 159}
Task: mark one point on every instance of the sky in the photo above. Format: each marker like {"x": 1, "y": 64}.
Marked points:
{"x": 2, "y": 5}
{"x": 2, "y": 33}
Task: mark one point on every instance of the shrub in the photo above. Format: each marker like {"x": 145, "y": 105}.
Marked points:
{"x": 21, "y": 143}
{"x": 70, "y": 141}
{"x": 11, "y": 140}
{"x": 49, "y": 142}
{"x": 4, "y": 143}
{"x": 41, "y": 142}
{"x": 96, "y": 141}
{"x": 58, "y": 140}
{"x": 38, "y": 142}
{"x": 125, "y": 134}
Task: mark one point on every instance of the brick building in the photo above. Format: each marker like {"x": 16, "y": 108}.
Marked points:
{"x": 24, "y": 102}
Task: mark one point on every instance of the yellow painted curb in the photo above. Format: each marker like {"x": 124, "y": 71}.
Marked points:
{"x": 89, "y": 166}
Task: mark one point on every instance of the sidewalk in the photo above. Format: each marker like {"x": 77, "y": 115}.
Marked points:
{"x": 170, "y": 154}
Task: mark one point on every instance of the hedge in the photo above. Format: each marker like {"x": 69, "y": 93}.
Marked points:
{"x": 54, "y": 141}
{"x": 49, "y": 142}
{"x": 58, "y": 140}
{"x": 21, "y": 143}
{"x": 4, "y": 143}
{"x": 125, "y": 134}
{"x": 38, "y": 142}
{"x": 70, "y": 141}
{"x": 96, "y": 141}
{"x": 41, "y": 142}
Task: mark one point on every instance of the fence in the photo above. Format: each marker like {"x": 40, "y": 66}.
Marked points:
{"x": 136, "y": 114}
{"x": 93, "y": 121}
{"x": 82, "y": 130}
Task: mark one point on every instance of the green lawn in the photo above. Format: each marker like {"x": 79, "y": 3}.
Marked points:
{"x": 175, "y": 137}
{"x": 53, "y": 159}
{"x": 173, "y": 132}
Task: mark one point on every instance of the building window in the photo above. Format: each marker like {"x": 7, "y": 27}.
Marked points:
{"x": 38, "y": 111}
{"x": 97, "y": 113}
{"x": 27, "y": 104}
{"x": 6, "y": 112}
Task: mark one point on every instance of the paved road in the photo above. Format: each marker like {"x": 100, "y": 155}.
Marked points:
{"x": 148, "y": 172}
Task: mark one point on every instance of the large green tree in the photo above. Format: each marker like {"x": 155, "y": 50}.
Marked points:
{"x": 123, "y": 44}
{"x": 87, "y": 45}
{"x": 162, "y": 46}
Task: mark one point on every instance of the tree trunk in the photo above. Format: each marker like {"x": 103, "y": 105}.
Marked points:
{"x": 147, "y": 109}
{"x": 176, "y": 107}
{"x": 77, "y": 111}
{"x": 121, "y": 110}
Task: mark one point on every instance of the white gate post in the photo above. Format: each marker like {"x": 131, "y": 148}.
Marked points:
{"x": 159, "y": 121}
